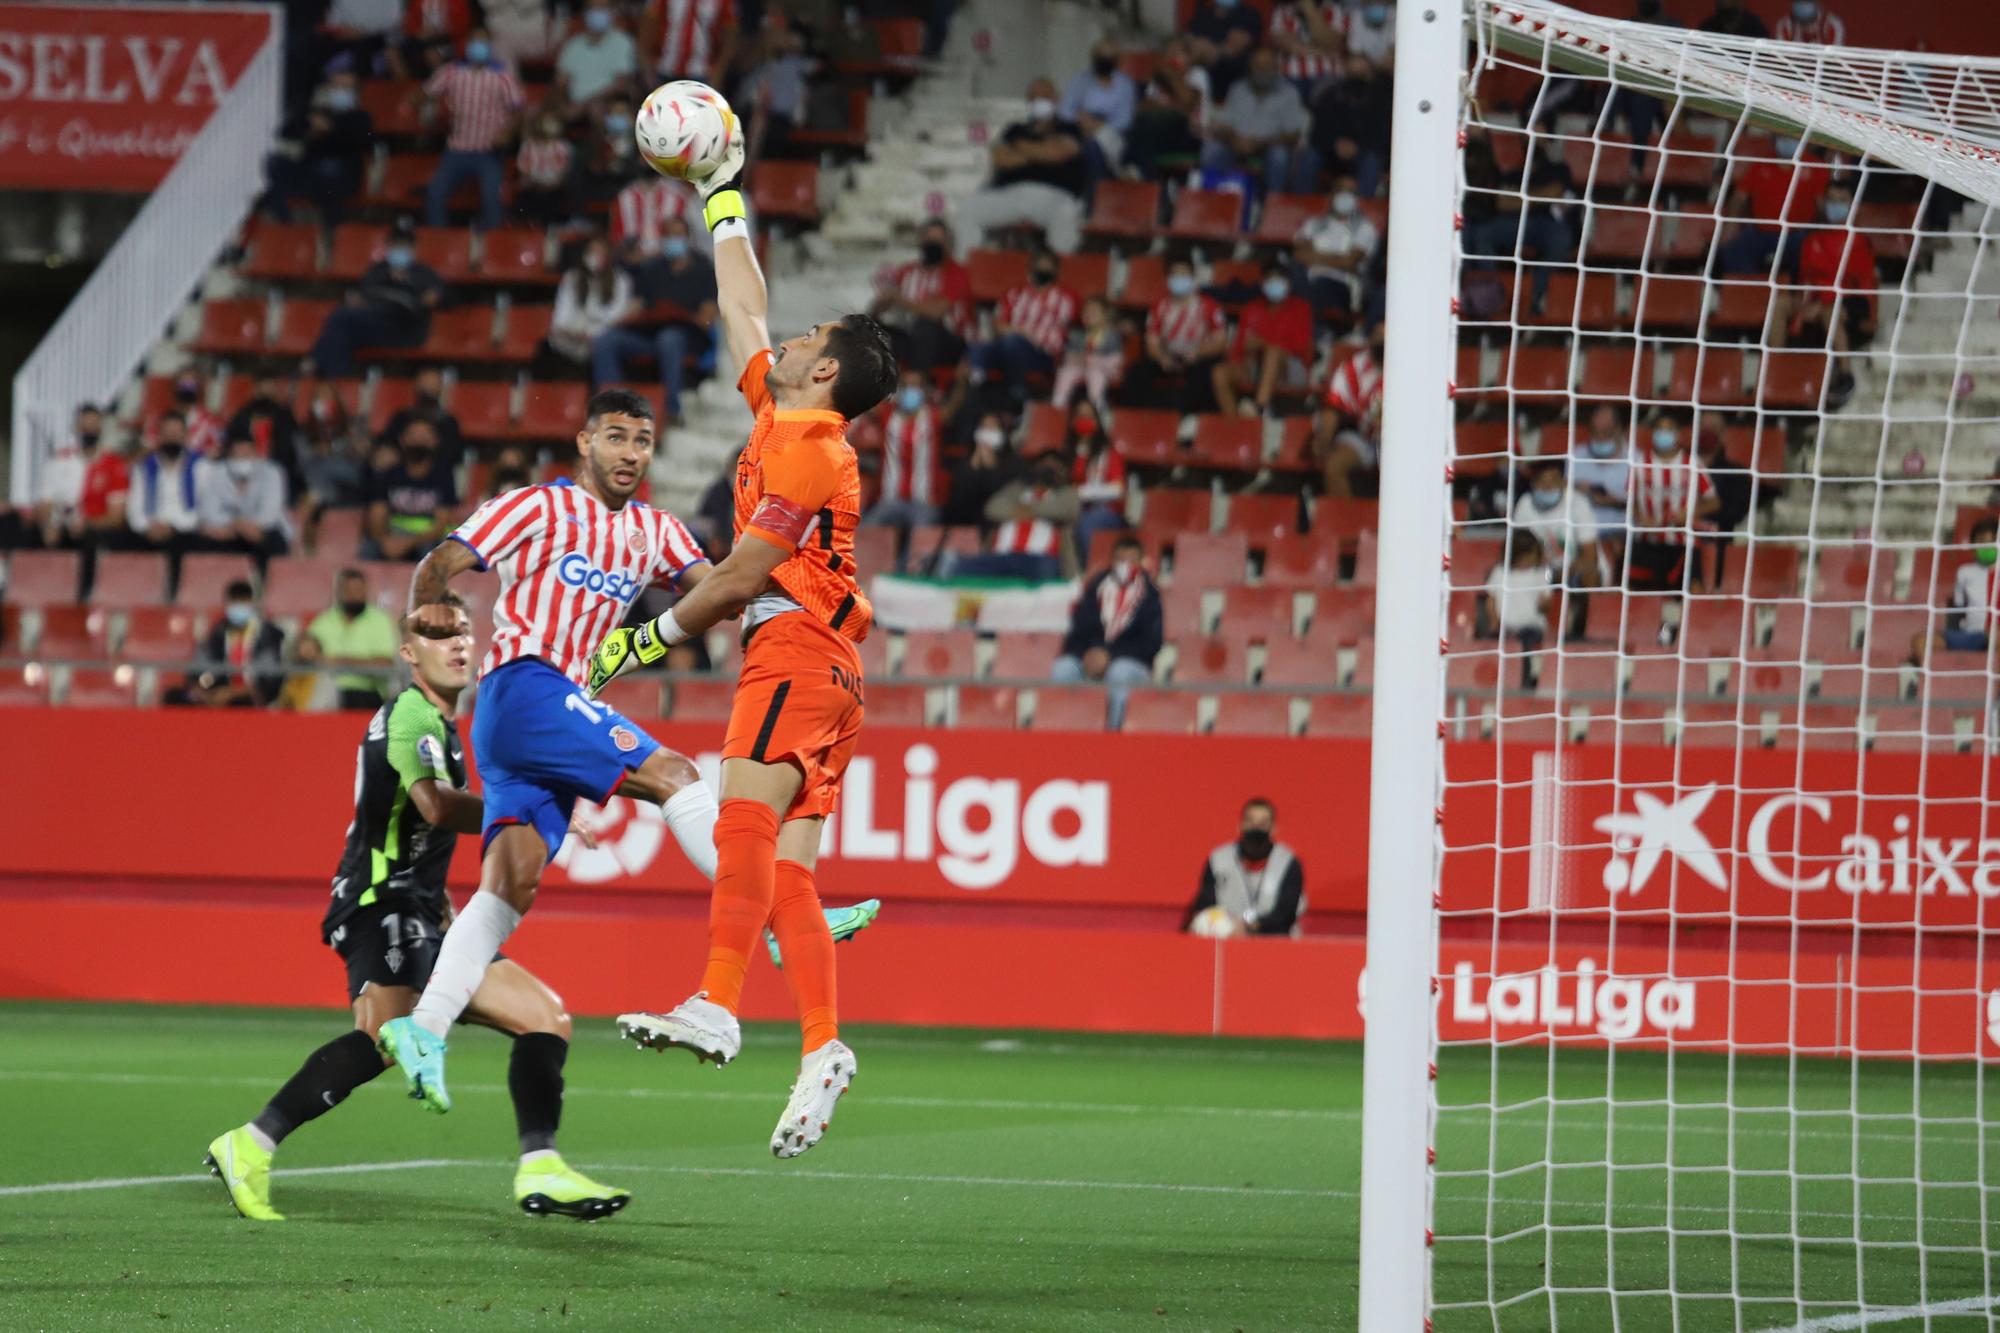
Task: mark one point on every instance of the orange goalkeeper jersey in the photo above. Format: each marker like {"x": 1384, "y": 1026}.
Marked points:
{"x": 798, "y": 486}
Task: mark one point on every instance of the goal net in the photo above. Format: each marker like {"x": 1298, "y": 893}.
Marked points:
{"x": 1712, "y": 1000}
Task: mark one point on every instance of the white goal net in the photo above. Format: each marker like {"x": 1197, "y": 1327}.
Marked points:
{"x": 1717, "y": 851}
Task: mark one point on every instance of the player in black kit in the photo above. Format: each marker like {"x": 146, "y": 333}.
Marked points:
{"x": 389, "y": 912}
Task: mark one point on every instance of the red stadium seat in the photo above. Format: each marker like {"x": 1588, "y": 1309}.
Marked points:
{"x": 1045, "y": 427}
{"x": 874, "y": 551}
{"x": 298, "y": 587}
{"x": 1211, "y": 560}
{"x": 1339, "y": 715}
{"x": 638, "y": 697}
{"x": 128, "y": 579}
{"x": 1260, "y": 714}
{"x": 403, "y": 181}
{"x": 24, "y": 686}
{"x": 937, "y": 652}
{"x": 1792, "y": 379}
{"x": 1298, "y": 662}
{"x": 991, "y": 707}
{"x": 448, "y": 250}
{"x": 117, "y": 687}
{"x": 162, "y": 634}
{"x": 462, "y": 334}
{"x": 1740, "y": 307}
{"x": 898, "y": 706}
{"x": 74, "y": 634}
{"x": 702, "y": 700}
{"x": 204, "y": 579}
{"x": 781, "y": 189}
{"x": 356, "y": 246}
{"x": 1124, "y": 210}
{"x": 1173, "y": 512}
{"x": 1069, "y": 708}
{"x": 1259, "y": 517}
{"x": 1720, "y": 369}
{"x": 1169, "y": 712}
{"x": 1311, "y": 560}
{"x": 1618, "y": 235}
{"x": 485, "y": 410}
{"x": 339, "y": 535}
{"x": 516, "y": 255}
{"x": 551, "y": 411}
{"x": 1538, "y": 370}
{"x": 1087, "y": 273}
{"x": 1147, "y": 436}
{"x": 1207, "y": 215}
{"x": 1693, "y": 235}
{"x": 1145, "y": 282}
{"x": 1025, "y": 656}
{"x": 299, "y": 324}
{"x": 1180, "y": 607}
{"x": 391, "y": 396}
{"x": 852, "y": 134}
{"x": 1671, "y": 304}
{"x": 1208, "y": 661}
{"x": 994, "y": 273}
{"x": 1617, "y": 371}
{"x": 1263, "y": 612}
{"x": 1591, "y": 304}
{"x": 282, "y": 252}
{"x": 527, "y": 326}
{"x": 234, "y": 327}
{"x": 1235, "y": 273}
{"x": 1284, "y": 214}
{"x": 1224, "y": 443}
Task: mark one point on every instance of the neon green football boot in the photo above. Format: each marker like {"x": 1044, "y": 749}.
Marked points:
{"x": 844, "y": 922}
{"x": 245, "y": 1170}
{"x": 550, "y": 1185}
{"x": 421, "y": 1058}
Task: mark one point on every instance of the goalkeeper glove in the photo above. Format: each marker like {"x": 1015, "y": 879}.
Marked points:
{"x": 625, "y": 650}
{"x": 721, "y": 193}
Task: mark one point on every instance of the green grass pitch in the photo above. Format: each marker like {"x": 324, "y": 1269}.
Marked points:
{"x": 973, "y": 1180}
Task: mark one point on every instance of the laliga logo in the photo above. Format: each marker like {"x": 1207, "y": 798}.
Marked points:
{"x": 576, "y": 570}
{"x": 1656, "y": 830}
{"x": 629, "y": 835}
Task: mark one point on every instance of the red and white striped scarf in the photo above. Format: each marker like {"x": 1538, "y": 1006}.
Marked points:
{"x": 1118, "y": 598}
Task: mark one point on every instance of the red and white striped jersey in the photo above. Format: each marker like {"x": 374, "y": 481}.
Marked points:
{"x": 544, "y": 162}
{"x": 690, "y": 33}
{"x": 1825, "y": 30}
{"x": 1042, "y": 315}
{"x": 1663, "y": 493}
{"x": 204, "y": 432}
{"x": 644, "y": 207}
{"x": 1287, "y": 21}
{"x": 948, "y": 281}
{"x": 909, "y": 457}
{"x": 1100, "y": 477}
{"x": 1355, "y": 388}
{"x": 1183, "y": 324}
{"x": 569, "y": 569}
{"x": 1025, "y": 536}
{"x": 482, "y": 100}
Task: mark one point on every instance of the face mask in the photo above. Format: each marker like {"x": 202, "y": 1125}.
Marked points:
{"x": 237, "y": 614}
{"x": 242, "y": 469}
{"x": 340, "y": 99}
{"x": 417, "y": 453}
{"x": 1375, "y": 15}
{"x": 1044, "y": 276}
{"x": 1805, "y": 11}
{"x": 1103, "y": 64}
{"x": 187, "y": 393}
{"x": 1181, "y": 284}
{"x": 910, "y": 398}
{"x": 1603, "y": 448}
{"x": 989, "y": 437}
{"x": 88, "y": 439}
{"x": 1666, "y": 442}
{"x": 597, "y": 20}
{"x": 1344, "y": 203}
{"x": 399, "y": 256}
{"x": 1276, "y": 289}
{"x": 1124, "y": 569}
{"x": 932, "y": 252}
{"x": 353, "y": 609}
{"x": 1546, "y": 499}
{"x": 1083, "y": 426}
{"x": 1041, "y": 108}
{"x": 171, "y": 450}
{"x": 478, "y": 52}
{"x": 1837, "y": 212}
{"x": 674, "y": 247}
{"x": 1253, "y": 844}
{"x": 1787, "y": 146}
{"x": 1986, "y": 555}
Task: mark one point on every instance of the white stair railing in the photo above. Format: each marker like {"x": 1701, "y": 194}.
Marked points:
{"x": 104, "y": 333}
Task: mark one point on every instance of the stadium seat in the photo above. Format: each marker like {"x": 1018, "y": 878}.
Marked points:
{"x": 1669, "y": 304}
{"x": 1216, "y": 660}
{"x": 282, "y": 252}
{"x": 1168, "y": 712}
{"x": 126, "y": 579}
{"x": 1364, "y": 559}
{"x": 1124, "y": 210}
{"x": 356, "y": 246}
{"x": 1069, "y": 708}
{"x": 1207, "y": 215}
{"x": 160, "y": 634}
{"x": 937, "y": 652}
{"x": 527, "y": 326}
{"x": 391, "y": 395}
{"x": 1720, "y": 368}
{"x": 205, "y": 579}
{"x": 299, "y": 323}
{"x": 849, "y": 133}
{"x": 990, "y": 707}
{"x": 702, "y": 700}
{"x": 1025, "y": 656}
{"x": 1087, "y": 273}
{"x": 1145, "y": 283}
{"x": 551, "y": 411}
{"x": 448, "y": 250}
{"x": 639, "y": 698}
{"x": 789, "y": 190}
{"x": 1284, "y": 214}
{"x": 1339, "y": 715}
{"x": 1261, "y": 612}
{"x": 465, "y": 333}
{"x": 1225, "y": 443}
{"x": 298, "y": 586}
{"x": 874, "y": 551}
{"x": 1688, "y": 241}
{"x": 1538, "y": 371}
{"x": 1792, "y": 379}
{"x": 1618, "y": 371}
{"x": 392, "y": 104}
{"x": 24, "y": 686}
{"x": 1479, "y": 448}
{"x": 994, "y": 273}
{"x": 339, "y": 535}
{"x": 516, "y": 255}
{"x": 74, "y": 634}
{"x": 1147, "y": 436}
{"x": 1173, "y": 512}
{"x": 1253, "y": 714}
{"x": 1591, "y": 304}
{"x": 234, "y": 327}
{"x": 485, "y": 410}
{"x": 1235, "y": 273}
{"x": 1045, "y": 427}
{"x": 1740, "y": 307}
{"x": 12, "y": 632}
{"x": 117, "y": 687}
{"x": 1298, "y": 662}
{"x": 1181, "y": 608}
{"x": 403, "y": 180}
{"x": 1311, "y": 560}
{"x": 1260, "y": 517}
{"x": 897, "y": 705}
{"x": 388, "y": 583}
{"x": 1618, "y": 235}
{"x": 1210, "y": 560}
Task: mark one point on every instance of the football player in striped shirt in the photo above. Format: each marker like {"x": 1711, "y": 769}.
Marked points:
{"x": 571, "y": 558}
{"x": 798, "y": 707}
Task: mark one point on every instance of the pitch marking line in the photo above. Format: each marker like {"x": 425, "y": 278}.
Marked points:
{"x": 128, "y": 1182}
{"x": 1883, "y": 1315}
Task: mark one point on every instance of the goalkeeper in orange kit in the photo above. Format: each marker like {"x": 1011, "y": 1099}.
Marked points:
{"x": 798, "y": 706}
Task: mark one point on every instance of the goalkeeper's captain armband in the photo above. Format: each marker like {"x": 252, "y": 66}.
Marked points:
{"x": 723, "y": 211}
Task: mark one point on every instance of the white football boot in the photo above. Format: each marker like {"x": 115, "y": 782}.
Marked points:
{"x": 695, "y": 1024}
{"x": 823, "y": 1079}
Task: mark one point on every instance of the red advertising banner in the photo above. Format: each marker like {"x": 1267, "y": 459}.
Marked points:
{"x": 107, "y": 97}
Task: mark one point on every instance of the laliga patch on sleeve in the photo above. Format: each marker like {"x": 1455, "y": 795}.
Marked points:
{"x": 783, "y": 518}
{"x": 431, "y": 753}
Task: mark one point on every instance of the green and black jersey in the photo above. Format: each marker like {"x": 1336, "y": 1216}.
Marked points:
{"x": 394, "y": 856}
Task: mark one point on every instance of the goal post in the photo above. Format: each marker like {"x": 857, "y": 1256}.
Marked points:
{"x": 1683, "y": 850}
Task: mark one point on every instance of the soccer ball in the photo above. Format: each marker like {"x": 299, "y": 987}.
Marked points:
{"x": 1215, "y": 923}
{"x": 685, "y": 129}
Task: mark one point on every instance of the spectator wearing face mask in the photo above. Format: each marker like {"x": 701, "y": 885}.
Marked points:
{"x": 240, "y": 503}
{"x": 544, "y": 172}
{"x": 1228, "y": 31}
{"x": 330, "y": 463}
{"x": 1347, "y": 424}
{"x": 610, "y": 161}
{"x": 1514, "y": 606}
{"x": 1772, "y": 199}
{"x": 321, "y": 161}
{"x": 910, "y": 482}
{"x": 1031, "y": 519}
{"x": 1274, "y": 343}
{"x": 56, "y": 519}
{"x": 1094, "y": 360}
{"x": 266, "y": 419}
{"x": 1097, "y": 472}
{"x": 776, "y": 93}
{"x": 244, "y": 654}
{"x": 510, "y": 472}
{"x": 927, "y": 304}
{"x": 1262, "y": 126}
{"x": 1968, "y": 623}
{"x": 1732, "y": 19}
{"x": 162, "y": 509}
{"x": 1600, "y": 469}
{"x": 414, "y": 502}
{"x": 1040, "y": 177}
{"x": 1163, "y": 140}
{"x": 1561, "y": 520}
{"x": 1029, "y": 330}
{"x": 682, "y": 283}
{"x": 1252, "y": 886}
{"x": 1833, "y": 304}
{"x": 353, "y": 632}
{"x": 1115, "y": 629}
{"x": 591, "y": 301}
{"x": 204, "y": 428}
{"x": 1331, "y": 251}
{"x": 986, "y": 471}
{"x": 1810, "y": 22}
{"x": 646, "y": 210}
{"x": 432, "y": 30}
{"x": 600, "y": 58}
{"x": 1101, "y": 101}
{"x": 1672, "y": 499}
{"x": 1309, "y": 36}
{"x": 1185, "y": 338}
{"x": 391, "y": 307}
{"x": 427, "y": 404}
{"x": 482, "y": 98}
{"x": 1350, "y": 124}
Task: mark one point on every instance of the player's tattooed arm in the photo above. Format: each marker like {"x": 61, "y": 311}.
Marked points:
{"x": 447, "y": 807}
{"x": 447, "y": 560}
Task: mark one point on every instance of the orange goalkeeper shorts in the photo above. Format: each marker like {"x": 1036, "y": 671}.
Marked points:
{"x": 798, "y": 701}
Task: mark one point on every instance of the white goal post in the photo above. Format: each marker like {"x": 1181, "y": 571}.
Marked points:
{"x": 1682, "y": 835}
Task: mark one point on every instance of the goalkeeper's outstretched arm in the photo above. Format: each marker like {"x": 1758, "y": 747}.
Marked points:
{"x": 739, "y": 281}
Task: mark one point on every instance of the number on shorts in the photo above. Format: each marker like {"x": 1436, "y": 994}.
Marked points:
{"x": 577, "y": 703}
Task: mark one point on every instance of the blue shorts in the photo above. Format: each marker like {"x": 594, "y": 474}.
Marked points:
{"x": 1965, "y": 640}
{"x": 540, "y": 742}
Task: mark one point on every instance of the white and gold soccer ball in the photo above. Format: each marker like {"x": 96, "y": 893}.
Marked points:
{"x": 685, "y": 130}
{"x": 1215, "y": 923}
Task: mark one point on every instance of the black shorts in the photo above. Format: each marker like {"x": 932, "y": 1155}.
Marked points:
{"x": 386, "y": 948}
{"x": 1656, "y": 565}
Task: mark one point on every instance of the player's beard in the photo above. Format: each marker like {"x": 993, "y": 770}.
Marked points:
{"x": 608, "y": 485}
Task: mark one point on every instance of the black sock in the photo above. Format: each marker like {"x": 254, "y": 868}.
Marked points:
{"x": 322, "y": 1083}
{"x": 534, "y": 1077}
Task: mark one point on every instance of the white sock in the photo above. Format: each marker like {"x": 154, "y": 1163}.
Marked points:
{"x": 261, "y": 1139}
{"x": 538, "y": 1154}
{"x": 691, "y": 813}
{"x": 461, "y": 965}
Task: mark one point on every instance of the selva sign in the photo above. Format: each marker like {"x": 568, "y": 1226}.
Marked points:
{"x": 107, "y": 97}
